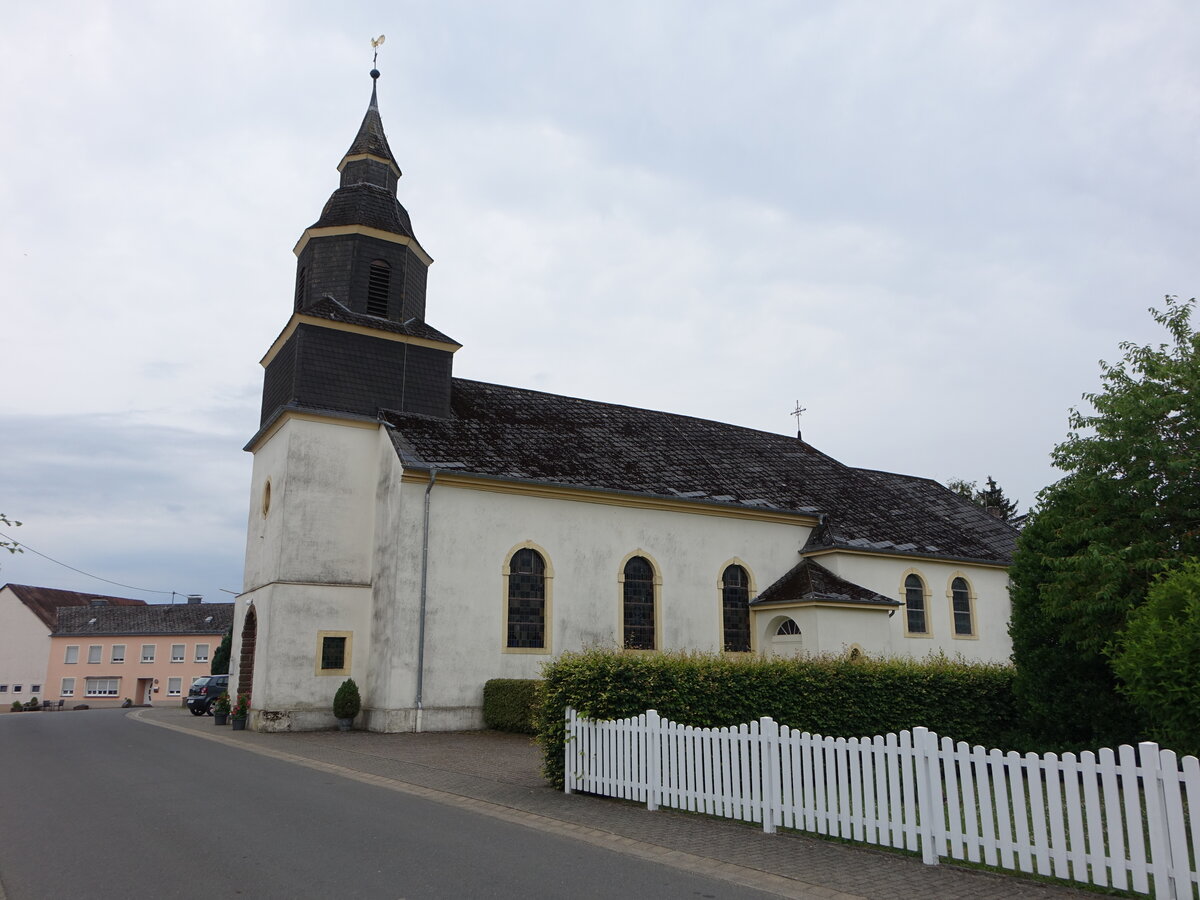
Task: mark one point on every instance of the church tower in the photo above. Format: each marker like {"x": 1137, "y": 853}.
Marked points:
{"x": 357, "y": 341}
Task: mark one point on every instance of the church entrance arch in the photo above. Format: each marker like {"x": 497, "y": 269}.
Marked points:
{"x": 246, "y": 658}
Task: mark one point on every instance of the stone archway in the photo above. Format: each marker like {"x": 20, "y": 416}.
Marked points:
{"x": 246, "y": 659}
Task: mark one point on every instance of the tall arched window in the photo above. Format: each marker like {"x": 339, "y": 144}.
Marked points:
{"x": 638, "y": 604}
{"x": 527, "y": 600}
{"x": 914, "y": 604}
{"x": 735, "y": 610}
{"x": 960, "y": 603}
{"x": 378, "y": 285}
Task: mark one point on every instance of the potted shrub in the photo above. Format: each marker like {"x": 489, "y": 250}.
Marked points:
{"x": 240, "y": 712}
{"x": 220, "y": 710}
{"x": 17, "y": 706}
{"x": 346, "y": 704}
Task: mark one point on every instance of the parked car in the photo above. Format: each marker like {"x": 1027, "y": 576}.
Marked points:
{"x": 204, "y": 692}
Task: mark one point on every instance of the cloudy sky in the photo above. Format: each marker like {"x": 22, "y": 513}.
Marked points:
{"x": 926, "y": 221}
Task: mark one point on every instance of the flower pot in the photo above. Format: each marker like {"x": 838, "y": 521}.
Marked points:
{"x": 239, "y": 724}
{"x": 345, "y": 724}
{"x": 220, "y": 718}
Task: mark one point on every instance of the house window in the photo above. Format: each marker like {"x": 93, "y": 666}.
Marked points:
{"x": 202, "y": 653}
{"x": 72, "y": 654}
{"x": 94, "y": 653}
{"x": 914, "y": 604}
{"x": 174, "y": 687}
{"x": 68, "y": 688}
{"x": 637, "y": 607}
{"x": 960, "y": 604}
{"x": 35, "y": 688}
{"x": 735, "y": 609}
{"x": 102, "y": 687}
{"x": 3, "y": 688}
{"x": 17, "y": 688}
{"x": 176, "y": 653}
{"x": 527, "y": 600}
{"x": 333, "y": 653}
{"x": 148, "y": 653}
{"x": 118, "y": 653}
{"x": 378, "y": 283}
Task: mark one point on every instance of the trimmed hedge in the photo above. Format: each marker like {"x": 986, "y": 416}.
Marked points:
{"x": 509, "y": 704}
{"x": 836, "y": 696}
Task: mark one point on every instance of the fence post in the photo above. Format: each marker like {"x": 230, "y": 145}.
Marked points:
{"x": 768, "y": 733}
{"x": 929, "y": 790}
{"x": 653, "y": 758}
{"x": 568, "y": 771}
{"x": 1161, "y": 863}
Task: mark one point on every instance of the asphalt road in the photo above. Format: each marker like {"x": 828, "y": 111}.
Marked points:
{"x": 96, "y": 805}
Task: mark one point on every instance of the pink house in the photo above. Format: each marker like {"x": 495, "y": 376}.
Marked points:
{"x": 100, "y": 655}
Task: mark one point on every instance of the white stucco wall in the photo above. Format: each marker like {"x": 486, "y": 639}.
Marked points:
{"x": 989, "y": 587}
{"x": 24, "y": 650}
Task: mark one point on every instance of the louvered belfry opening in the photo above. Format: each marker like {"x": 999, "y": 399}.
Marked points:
{"x": 377, "y": 288}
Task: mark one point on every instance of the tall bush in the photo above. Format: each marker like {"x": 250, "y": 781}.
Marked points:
{"x": 826, "y": 695}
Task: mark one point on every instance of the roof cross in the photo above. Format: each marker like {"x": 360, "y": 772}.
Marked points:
{"x": 798, "y": 412}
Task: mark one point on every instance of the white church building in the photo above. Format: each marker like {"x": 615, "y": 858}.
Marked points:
{"x": 424, "y": 534}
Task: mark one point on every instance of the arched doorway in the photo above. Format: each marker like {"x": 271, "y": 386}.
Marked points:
{"x": 246, "y": 659}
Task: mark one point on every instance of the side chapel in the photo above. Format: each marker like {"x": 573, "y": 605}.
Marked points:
{"x": 424, "y": 533}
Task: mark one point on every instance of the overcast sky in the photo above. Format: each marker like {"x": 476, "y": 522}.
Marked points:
{"x": 926, "y": 221}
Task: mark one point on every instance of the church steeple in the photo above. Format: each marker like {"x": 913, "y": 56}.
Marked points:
{"x": 363, "y": 251}
{"x": 357, "y": 341}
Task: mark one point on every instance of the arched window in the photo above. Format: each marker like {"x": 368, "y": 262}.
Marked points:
{"x": 735, "y": 610}
{"x": 527, "y": 600}
{"x": 301, "y": 286}
{"x": 960, "y": 604}
{"x": 914, "y": 603}
{"x": 788, "y": 627}
{"x": 378, "y": 285}
{"x": 637, "y": 607}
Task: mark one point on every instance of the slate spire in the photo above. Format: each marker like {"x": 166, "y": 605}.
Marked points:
{"x": 371, "y": 142}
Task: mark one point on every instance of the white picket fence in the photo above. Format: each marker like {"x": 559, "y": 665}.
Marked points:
{"x": 1110, "y": 818}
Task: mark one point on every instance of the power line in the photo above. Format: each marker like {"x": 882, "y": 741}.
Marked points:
{"x": 130, "y": 587}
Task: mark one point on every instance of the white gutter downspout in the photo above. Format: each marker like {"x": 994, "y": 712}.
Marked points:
{"x": 421, "y": 617}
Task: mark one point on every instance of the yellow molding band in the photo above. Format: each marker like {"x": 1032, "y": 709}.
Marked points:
{"x": 391, "y": 164}
{"x": 909, "y": 556}
{"x": 288, "y": 414}
{"x": 366, "y": 231}
{"x": 299, "y": 319}
{"x": 555, "y": 492}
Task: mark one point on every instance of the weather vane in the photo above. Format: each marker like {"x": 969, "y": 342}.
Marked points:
{"x": 377, "y": 43}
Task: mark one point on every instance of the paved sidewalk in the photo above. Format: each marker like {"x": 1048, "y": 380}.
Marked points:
{"x": 497, "y": 774}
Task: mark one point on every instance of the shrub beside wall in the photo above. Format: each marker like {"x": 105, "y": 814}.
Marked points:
{"x": 835, "y": 696}
{"x": 508, "y": 704}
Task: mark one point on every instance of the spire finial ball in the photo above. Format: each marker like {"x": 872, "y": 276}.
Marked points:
{"x": 374, "y": 73}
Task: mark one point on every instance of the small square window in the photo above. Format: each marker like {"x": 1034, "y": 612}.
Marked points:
{"x": 72, "y": 655}
{"x": 176, "y": 653}
{"x": 148, "y": 653}
{"x": 333, "y": 653}
{"x": 174, "y": 687}
{"x": 35, "y": 688}
{"x": 3, "y": 688}
{"x": 16, "y": 688}
{"x": 118, "y": 653}
{"x": 202, "y": 653}
{"x": 94, "y": 654}
{"x": 68, "y": 687}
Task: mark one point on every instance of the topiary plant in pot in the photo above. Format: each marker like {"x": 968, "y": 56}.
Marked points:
{"x": 346, "y": 704}
{"x": 220, "y": 710}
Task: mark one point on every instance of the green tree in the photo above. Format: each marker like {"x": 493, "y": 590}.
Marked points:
{"x": 220, "y": 657}
{"x": 1158, "y": 658}
{"x": 1127, "y": 509}
{"x": 991, "y": 499}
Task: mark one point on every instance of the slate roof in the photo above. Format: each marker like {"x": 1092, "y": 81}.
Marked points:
{"x": 335, "y": 311}
{"x": 810, "y": 581}
{"x": 155, "y": 618}
{"x": 45, "y": 603}
{"x": 522, "y": 435}
{"x": 370, "y": 138}
{"x": 365, "y": 204}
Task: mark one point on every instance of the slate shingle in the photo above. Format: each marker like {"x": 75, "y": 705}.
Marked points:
{"x": 156, "y": 618}
{"x": 809, "y": 580}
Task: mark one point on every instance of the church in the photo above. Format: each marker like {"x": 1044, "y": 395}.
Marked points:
{"x": 423, "y": 533}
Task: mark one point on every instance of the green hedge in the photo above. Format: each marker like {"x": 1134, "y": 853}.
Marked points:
{"x": 827, "y": 695}
{"x": 509, "y": 704}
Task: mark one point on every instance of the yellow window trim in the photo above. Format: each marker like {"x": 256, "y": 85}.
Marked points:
{"x": 657, "y": 582}
{"x": 974, "y": 635}
{"x": 926, "y": 595}
{"x": 751, "y": 593}
{"x": 548, "y": 584}
{"x": 345, "y": 670}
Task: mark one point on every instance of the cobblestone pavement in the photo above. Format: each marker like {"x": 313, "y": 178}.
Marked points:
{"x": 497, "y": 774}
